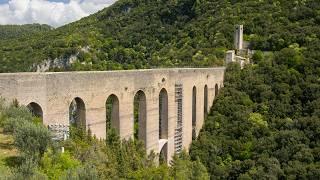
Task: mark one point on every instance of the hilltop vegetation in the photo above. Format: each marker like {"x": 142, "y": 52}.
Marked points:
{"x": 8, "y": 32}
{"x": 166, "y": 33}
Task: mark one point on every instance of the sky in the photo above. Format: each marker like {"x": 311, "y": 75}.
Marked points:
{"x": 53, "y": 12}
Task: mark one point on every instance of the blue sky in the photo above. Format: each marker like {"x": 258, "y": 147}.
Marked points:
{"x": 53, "y": 12}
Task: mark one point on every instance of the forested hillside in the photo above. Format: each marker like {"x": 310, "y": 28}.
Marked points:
{"x": 265, "y": 124}
{"x": 8, "y": 32}
{"x": 166, "y": 33}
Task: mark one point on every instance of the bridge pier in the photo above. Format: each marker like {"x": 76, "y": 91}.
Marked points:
{"x": 96, "y": 121}
{"x": 172, "y": 121}
{"x": 126, "y": 116}
{"x": 152, "y": 130}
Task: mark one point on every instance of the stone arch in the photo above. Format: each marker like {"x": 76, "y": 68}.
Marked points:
{"x": 77, "y": 113}
{"x": 112, "y": 113}
{"x": 205, "y": 101}
{"x": 216, "y": 90}
{"x": 194, "y": 111}
{"x": 35, "y": 109}
{"x": 140, "y": 116}
{"x": 163, "y": 155}
{"x": 163, "y": 114}
{"x": 163, "y": 125}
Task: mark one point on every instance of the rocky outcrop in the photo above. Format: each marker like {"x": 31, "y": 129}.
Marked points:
{"x": 60, "y": 63}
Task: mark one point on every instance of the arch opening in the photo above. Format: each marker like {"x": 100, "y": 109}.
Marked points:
{"x": 194, "y": 112}
{"x": 205, "y": 107}
{"x": 216, "y": 90}
{"x": 140, "y": 116}
{"x": 112, "y": 113}
{"x": 36, "y": 110}
{"x": 163, "y": 154}
{"x": 163, "y": 114}
{"x": 77, "y": 113}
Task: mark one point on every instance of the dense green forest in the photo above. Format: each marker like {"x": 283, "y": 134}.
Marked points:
{"x": 165, "y": 33}
{"x": 265, "y": 124}
{"x": 17, "y": 31}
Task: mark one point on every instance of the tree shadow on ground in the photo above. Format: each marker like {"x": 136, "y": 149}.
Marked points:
{"x": 6, "y": 146}
{"x": 13, "y": 161}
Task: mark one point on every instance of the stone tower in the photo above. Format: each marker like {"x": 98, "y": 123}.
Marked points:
{"x": 238, "y": 37}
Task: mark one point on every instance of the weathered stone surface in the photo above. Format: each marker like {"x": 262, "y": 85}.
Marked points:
{"x": 55, "y": 91}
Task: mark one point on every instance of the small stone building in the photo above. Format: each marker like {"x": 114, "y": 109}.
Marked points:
{"x": 241, "y": 54}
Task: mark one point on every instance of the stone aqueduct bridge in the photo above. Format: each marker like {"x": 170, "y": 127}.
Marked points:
{"x": 172, "y": 103}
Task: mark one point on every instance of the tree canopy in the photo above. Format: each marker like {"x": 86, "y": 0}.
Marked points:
{"x": 166, "y": 33}
{"x": 265, "y": 122}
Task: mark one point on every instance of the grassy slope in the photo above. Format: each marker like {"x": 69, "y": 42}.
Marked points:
{"x": 7, "y": 152}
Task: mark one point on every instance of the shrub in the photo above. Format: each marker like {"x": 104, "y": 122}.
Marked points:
{"x": 87, "y": 172}
{"x": 32, "y": 140}
{"x": 55, "y": 165}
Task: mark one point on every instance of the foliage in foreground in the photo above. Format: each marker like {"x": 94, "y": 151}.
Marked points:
{"x": 85, "y": 156}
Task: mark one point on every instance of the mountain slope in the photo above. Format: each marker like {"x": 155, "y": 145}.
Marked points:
{"x": 143, "y": 34}
{"x": 17, "y": 31}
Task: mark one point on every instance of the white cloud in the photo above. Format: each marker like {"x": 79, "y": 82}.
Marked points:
{"x": 47, "y": 12}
